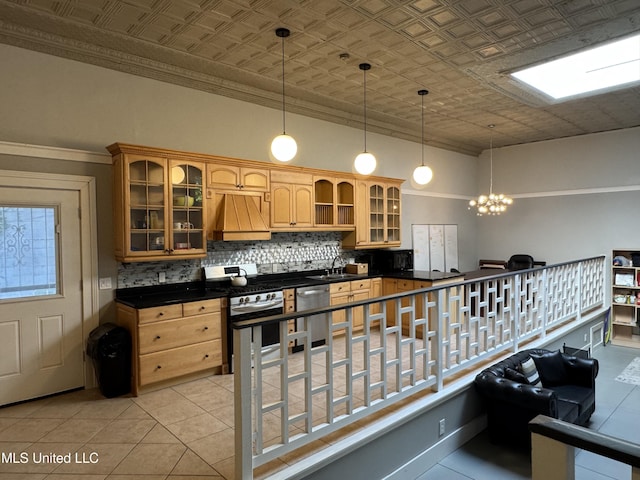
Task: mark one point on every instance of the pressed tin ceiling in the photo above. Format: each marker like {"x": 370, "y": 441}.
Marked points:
{"x": 461, "y": 51}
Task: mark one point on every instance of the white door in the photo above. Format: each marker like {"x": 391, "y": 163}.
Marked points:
{"x": 40, "y": 293}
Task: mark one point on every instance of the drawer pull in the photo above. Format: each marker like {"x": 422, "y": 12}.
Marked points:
{"x": 158, "y": 367}
{"x": 157, "y": 337}
{"x": 206, "y": 328}
{"x": 160, "y": 314}
{"x": 206, "y": 355}
{"x": 203, "y": 308}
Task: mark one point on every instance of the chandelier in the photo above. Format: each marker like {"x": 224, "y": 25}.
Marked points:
{"x": 494, "y": 203}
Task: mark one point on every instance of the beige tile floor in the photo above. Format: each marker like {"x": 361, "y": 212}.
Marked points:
{"x": 181, "y": 432}
{"x": 178, "y": 433}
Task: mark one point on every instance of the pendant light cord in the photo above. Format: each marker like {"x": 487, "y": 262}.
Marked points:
{"x": 364, "y": 73}
{"x": 284, "y": 130}
{"x": 422, "y": 96}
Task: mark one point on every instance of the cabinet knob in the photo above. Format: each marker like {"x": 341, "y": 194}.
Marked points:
{"x": 206, "y": 328}
{"x": 206, "y": 355}
{"x": 203, "y": 308}
{"x": 158, "y": 367}
{"x": 157, "y": 337}
{"x": 161, "y": 314}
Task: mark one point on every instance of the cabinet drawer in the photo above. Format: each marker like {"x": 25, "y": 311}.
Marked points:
{"x": 155, "y": 367}
{"x": 364, "y": 284}
{"x": 405, "y": 284}
{"x": 201, "y": 307}
{"x": 340, "y": 287}
{"x": 158, "y": 336}
{"x": 155, "y": 314}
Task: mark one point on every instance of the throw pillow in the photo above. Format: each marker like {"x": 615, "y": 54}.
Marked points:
{"x": 528, "y": 368}
{"x": 551, "y": 368}
{"x": 516, "y": 376}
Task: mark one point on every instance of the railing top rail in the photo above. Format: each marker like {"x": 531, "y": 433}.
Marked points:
{"x": 288, "y": 316}
{"x": 590, "y": 440}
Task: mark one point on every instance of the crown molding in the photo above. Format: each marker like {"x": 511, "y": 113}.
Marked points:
{"x": 191, "y": 72}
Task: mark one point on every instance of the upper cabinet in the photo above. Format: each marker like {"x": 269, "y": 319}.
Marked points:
{"x": 167, "y": 203}
{"x": 231, "y": 177}
{"x": 291, "y": 200}
{"x": 158, "y": 207}
{"x": 378, "y": 213}
{"x": 334, "y": 203}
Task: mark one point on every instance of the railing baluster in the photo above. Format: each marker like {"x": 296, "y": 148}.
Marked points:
{"x": 461, "y": 325}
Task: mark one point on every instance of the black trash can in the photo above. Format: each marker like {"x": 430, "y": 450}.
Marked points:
{"x": 109, "y": 345}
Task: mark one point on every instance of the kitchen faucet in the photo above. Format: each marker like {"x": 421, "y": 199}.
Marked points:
{"x": 333, "y": 263}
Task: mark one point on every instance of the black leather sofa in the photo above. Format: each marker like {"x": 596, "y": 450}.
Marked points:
{"x": 567, "y": 393}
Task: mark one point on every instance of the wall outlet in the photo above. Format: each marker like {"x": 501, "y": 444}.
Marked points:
{"x": 162, "y": 277}
{"x": 441, "y": 427}
{"x": 585, "y": 337}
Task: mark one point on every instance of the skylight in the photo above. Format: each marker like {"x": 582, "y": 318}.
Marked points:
{"x": 589, "y": 71}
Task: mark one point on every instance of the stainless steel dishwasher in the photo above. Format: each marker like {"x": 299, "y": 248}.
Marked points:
{"x": 308, "y": 298}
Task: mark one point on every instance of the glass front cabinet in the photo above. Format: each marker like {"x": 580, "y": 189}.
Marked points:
{"x": 158, "y": 208}
{"x": 378, "y": 216}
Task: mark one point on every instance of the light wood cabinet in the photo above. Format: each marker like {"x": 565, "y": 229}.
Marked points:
{"x": 348, "y": 292}
{"x": 231, "y": 177}
{"x": 172, "y": 342}
{"x": 378, "y": 213}
{"x": 625, "y": 297}
{"x": 334, "y": 205}
{"x": 289, "y": 295}
{"x": 291, "y": 201}
{"x": 158, "y": 206}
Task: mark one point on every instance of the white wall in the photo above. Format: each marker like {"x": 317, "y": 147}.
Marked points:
{"x": 573, "y": 197}
{"x": 57, "y": 102}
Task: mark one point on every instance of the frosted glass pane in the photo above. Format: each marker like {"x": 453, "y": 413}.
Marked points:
{"x": 28, "y": 263}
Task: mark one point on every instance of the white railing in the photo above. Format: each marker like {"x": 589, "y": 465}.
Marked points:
{"x": 286, "y": 400}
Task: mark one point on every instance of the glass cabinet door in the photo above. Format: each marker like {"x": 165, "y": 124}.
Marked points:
{"x": 187, "y": 213}
{"x": 147, "y": 205}
{"x": 393, "y": 214}
{"x": 376, "y": 213}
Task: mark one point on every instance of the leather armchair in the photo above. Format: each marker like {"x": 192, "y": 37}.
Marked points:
{"x": 567, "y": 393}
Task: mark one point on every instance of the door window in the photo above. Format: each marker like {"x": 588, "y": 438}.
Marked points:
{"x": 28, "y": 252}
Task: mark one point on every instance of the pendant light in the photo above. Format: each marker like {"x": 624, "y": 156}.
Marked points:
{"x": 492, "y": 204}
{"x": 283, "y": 147}
{"x": 365, "y": 163}
{"x": 422, "y": 174}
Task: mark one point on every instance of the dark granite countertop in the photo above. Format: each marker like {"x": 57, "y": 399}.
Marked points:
{"x": 425, "y": 275}
{"x": 158, "y": 295}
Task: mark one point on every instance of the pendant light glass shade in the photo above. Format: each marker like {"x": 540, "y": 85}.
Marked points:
{"x": 422, "y": 174}
{"x": 283, "y": 147}
{"x": 365, "y": 163}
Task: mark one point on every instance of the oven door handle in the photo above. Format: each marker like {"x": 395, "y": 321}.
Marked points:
{"x": 253, "y": 308}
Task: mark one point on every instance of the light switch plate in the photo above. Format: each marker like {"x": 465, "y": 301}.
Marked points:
{"x": 105, "y": 283}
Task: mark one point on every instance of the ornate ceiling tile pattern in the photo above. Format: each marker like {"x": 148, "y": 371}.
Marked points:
{"x": 461, "y": 51}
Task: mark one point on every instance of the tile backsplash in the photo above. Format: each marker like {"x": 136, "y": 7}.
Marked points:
{"x": 285, "y": 252}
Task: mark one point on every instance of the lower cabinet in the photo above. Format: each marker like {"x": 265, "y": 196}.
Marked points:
{"x": 174, "y": 341}
{"x": 353, "y": 291}
{"x": 289, "y": 295}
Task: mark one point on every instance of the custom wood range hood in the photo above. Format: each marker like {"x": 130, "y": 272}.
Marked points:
{"x": 240, "y": 219}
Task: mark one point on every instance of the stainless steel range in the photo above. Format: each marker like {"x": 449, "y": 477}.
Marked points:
{"x": 248, "y": 302}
